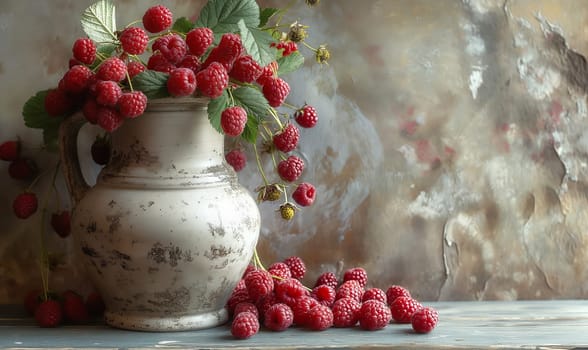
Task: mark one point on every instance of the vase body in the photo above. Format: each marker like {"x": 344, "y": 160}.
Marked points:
{"x": 167, "y": 231}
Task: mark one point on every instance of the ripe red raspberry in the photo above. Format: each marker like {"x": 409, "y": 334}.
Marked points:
{"x": 61, "y": 223}
{"x": 134, "y": 68}
{"x": 134, "y": 40}
{"x": 287, "y": 139}
{"x": 268, "y": 73}
{"x": 424, "y": 320}
{"x": 327, "y": 278}
{"x": 212, "y": 80}
{"x": 22, "y": 169}
{"x": 57, "y": 102}
{"x": 306, "y": 116}
{"x": 198, "y": 40}
{"x": 132, "y": 104}
{"x": 157, "y": 18}
{"x": 84, "y": 50}
{"x": 74, "y": 308}
{"x": 374, "y": 315}
{"x": 394, "y": 292}
{"x": 181, "y": 82}
{"x": 226, "y": 53}
{"x": 319, "y": 318}
{"x": 356, "y": 273}
{"x": 402, "y": 309}
{"x": 288, "y": 290}
{"x": 10, "y": 150}
{"x": 90, "y": 110}
{"x": 287, "y": 47}
{"x": 245, "y": 69}
{"x": 259, "y": 283}
{"x": 278, "y": 317}
{"x": 172, "y": 47}
{"x": 265, "y": 302}
{"x": 159, "y": 63}
{"x": 112, "y": 68}
{"x": 192, "y": 62}
{"x": 350, "y": 289}
{"x": 237, "y": 159}
{"x": 296, "y": 266}
{"x": 244, "y": 325}
{"x": 304, "y": 194}
{"x": 374, "y": 294}
{"x": 49, "y": 314}
{"x": 109, "y": 118}
{"x": 248, "y": 269}
{"x": 324, "y": 294}
{"x": 25, "y": 205}
{"x": 95, "y": 304}
{"x": 233, "y": 120}
{"x": 238, "y": 296}
{"x": 77, "y": 79}
{"x": 107, "y": 93}
{"x": 280, "y": 270}
{"x": 345, "y": 312}
{"x": 100, "y": 150}
{"x": 246, "y": 307}
{"x": 275, "y": 91}
{"x": 291, "y": 168}
{"x": 301, "y": 308}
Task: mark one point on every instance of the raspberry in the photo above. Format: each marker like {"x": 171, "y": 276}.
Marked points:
{"x": 394, "y": 292}
{"x": 350, "y": 289}
{"x": 268, "y": 73}
{"x": 73, "y": 62}
{"x": 74, "y": 309}
{"x": 84, "y": 50}
{"x": 278, "y": 317}
{"x": 181, "y": 82}
{"x": 157, "y": 18}
{"x": 134, "y": 40}
{"x": 287, "y": 139}
{"x": 304, "y": 194}
{"x": 291, "y": 168}
{"x": 112, "y": 68}
{"x": 345, "y": 312}
{"x": 57, "y": 102}
{"x": 76, "y": 80}
{"x": 306, "y": 116}
{"x": 134, "y": 68}
{"x": 95, "y": 304}
{"x": 374, "y": 315}
{"x": 259, "y": 283}
{"x": 100, "y": 150}
{"x": 424, "y": 320}
{"x": 358, "y": 274}
{"x": 228, "y": 50}
{"x": 61, "y": 223}
{"x": 198, "y": 40}
{"x": 296, "y": 266}
{"x": 233, "y": 120}
{"x": 245, "y": 69}
{"x": 132, "y": 104}
{"x": 244, "y": 325}
{"x": 237, "y": 159}
{"x": 24, "y": 205}
{"x": 10, "y": 150}
{"x": 265, "y": 302}
{"x": 90, "y": 110}
{"x": 280, "y": 270}
{"x": 22, "y": 169}
{"x": 287, "y": 211}
{"x": 402, "y": 309}
{"x": 192, "y": 62}
{"x": 374, "y": 294}
{"x": 238, "y": 296}
{"x": 275, "y": 91}
{"x": 327, "y": 278}
{"x": 109, "y": 118}
{"x": 248, "y": 269}
{"x": 319, "y": 318}
{"x": 49, "y": 314}
{"x": 246, "y": 307}
{"x": 324, "y": 294}
{"x": 172, "y": 47}
{"x": 159, "y": 63}
{"x": 287, "y": 46}
{"x": 107, "y": 93}
{"x": 288, "y": 290}
{"x": 212, "y": 80}
{"x": 301, "y": 308}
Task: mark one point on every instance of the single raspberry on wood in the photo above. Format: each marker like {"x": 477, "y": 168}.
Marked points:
{"x": 246, "y": 307}
{"x": 301, "y": 307}
{"x": 265, "y": 302}
{"x": 424, "y": 320}
{"x": 306, "y": 116}
{"x": 213, "y": 80}
{"x": 327, "y": 278}
{"x": 58, "y": 102}
{"x": 289, "y": 290}
{"x": 259, "y": 283}
{"x": 287, "y": 139}
{"x": 395, "y": 291}
{"x": 374, "y": 315}
{"x": 319, "y": 318}
{"x": 244, "y": 325}
{"x": 95, "y": 304}
{"x": 238, "y": 296}
{"x": 132, "y": 104}
{"x": 403, "y": 308}
{"x": 112, "y": 68}
{"x": 107, "y": 93}
{"x": 356, "y": 273}
{"x": 109, "y": 118}
{"x": 245, "y": 69}
{"x": 84, "y": 50}
{"x": 10, "y": 150}
{"x": 22, "y": 169}
{"x": 296, "y": 266}
{"x": 291, "y": 168}
{"x": 61, "y": 223}
{"x": 275, "y": 91}
{"x": 181, "y": 82}
{"x": 198, "y": 40}
{"x": 374, "y": 294}
{"x": 157, "y": 18}
{"x": 74, "y": 308}
{"x": 134, "y": 40}
{"x": 350, "y": 289}
{"x": 172, "y": 47}
{"x": 304, "y": 194}
{"x": 237, "y": 159}
{"x": 324, "y": 294}
{"x": 77, "y": 79}
{"x": 49, "y": 314}
{"x": 345, "y": 312}
{"x": 233, "y": 120}
{"x": 278, "y": 317}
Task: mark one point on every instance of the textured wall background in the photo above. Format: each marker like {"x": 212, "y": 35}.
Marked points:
{"x": 451, "y": 154}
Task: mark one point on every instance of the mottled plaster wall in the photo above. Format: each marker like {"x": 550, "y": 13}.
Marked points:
{"x": 450, "y": 156}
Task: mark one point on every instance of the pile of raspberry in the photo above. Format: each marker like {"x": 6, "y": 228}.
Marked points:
{"x": 276, "y": 299}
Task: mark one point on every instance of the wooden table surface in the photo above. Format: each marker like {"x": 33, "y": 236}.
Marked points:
{"x": 462, "y": 325}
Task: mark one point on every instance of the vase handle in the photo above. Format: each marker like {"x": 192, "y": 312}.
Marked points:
{"x": 70, "y": 163}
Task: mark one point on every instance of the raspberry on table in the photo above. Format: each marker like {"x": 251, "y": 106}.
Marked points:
{"x": 356, "y": 273}
{"x": 304, "y": 194}
{"x": 22, "y": 169}
{"x": 95, "y": 304}
{"x": 25, "y": 205}
{"x": 280, "y": 270}
{"x": 198, "y": 40}
{"x": 246, "y": 306}
{"x": 395, "y": 291}
{"x": 233, "y": 120}
{"x": 213, "y": 80}
{"x": 10, "y": 150}
{"x": 244, "y": 325}
{"x": 112, "y": 68}
{"x": 181, "y": 82}
{"x": 132, "y": 104}
{"x": 324, "y": 294}
{"x": 403, "y": 308}
{"x": 424, "y": 320}
{"x": 350, "y": 289}
{"x": 374, "y": 315}
{"x": 259, "y": 283}
{"x": 77, "y": 79}
{"x": 159, "y": 63}
{"x": 157, "y": 18}
{"x": 107, "y": 93}
{"x": 84, "y": 50}
{"x": 74, "y": 308}
{"x": 134, "y": 68}
{"x": 58, "y": 102}
{"x": 306, "y": 116}
{"x": 278, "y": 317}
{"x": 172, "y": 47}
{"x": 289, "y": 290}
{"x": 327, "y": 278}
{"x": 49, "y": 314}
{"x": 265, "y": 302}
{"x": 301, "y": 308}
{"x": 287, "y": 139}
{"x": 245, "y": 69}
{"x": 319, "y": 318}
{"x": 134, "y": 40}
{"x": 296, "y": 266}
{"x": 238, "y": 296}
{"x": 237, "y": 159}
{"x": 374, "y": 294}
{"x": 291, "y": 168}
{"x": 109, "y": 118}
{"x": 61, "y": 223}
{"x": 275, "y": 91}
{"x": 345, "y": 312}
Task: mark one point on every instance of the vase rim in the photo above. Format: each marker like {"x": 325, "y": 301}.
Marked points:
{"x": 178, "y": 100}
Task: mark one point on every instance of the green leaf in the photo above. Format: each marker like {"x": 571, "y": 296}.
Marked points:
{"x": 222, "y": 16}
{"x": 257, "y": 43}
{"x": 215, "y": 108}
{"x": 290, "y": 63}
{"x": 36, "y": 117}
{"x": 265, "y": 15}
{"x": 103, "y": 50}
{"x": 99, "y": 21}
{"x": 182, "y": 25}
{"x": 152, "y": 83}
{"x": 251, "y": 130}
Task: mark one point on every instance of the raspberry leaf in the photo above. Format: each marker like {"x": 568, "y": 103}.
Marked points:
{"x": 215, "y": 108}
{"x": 222, "y": 16}
{"x": 99, "y": 21}
{"x": 182, "y": 25}
{"x": 251, "y": 130}
{"x": 290, "y": 63}
{"x": 256, "y": 106}
{"x": 265, "y": 15}
{"x": 257, "y": 43}
{"x": 36, "y": 117}
{"x": 152, "y": 83}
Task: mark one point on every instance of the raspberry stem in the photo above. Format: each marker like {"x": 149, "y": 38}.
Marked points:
{"x": 259, "y": 166}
